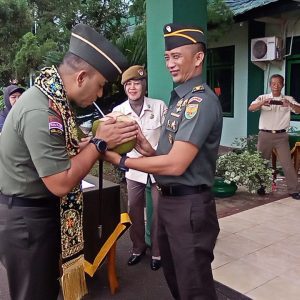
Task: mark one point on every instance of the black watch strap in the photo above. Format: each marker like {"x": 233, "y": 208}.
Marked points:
{"x": 122, "y": 166}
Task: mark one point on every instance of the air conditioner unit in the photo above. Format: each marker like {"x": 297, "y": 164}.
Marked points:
{"x": 266, "y": 48}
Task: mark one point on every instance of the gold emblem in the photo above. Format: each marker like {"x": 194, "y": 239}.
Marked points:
{"x": 141, "y": 72}
{"x": 173, "y": 125}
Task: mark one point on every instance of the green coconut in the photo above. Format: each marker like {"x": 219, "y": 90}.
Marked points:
{"x": 80, "y": 134}
{"x": 122, "y": 148}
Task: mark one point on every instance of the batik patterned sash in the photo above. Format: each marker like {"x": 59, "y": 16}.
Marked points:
{"x": 71, "y": 206}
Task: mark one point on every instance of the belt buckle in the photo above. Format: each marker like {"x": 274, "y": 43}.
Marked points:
{"x": 273, "y": 131}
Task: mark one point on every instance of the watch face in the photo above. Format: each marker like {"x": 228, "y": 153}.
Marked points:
{"x": 101, "y": 145}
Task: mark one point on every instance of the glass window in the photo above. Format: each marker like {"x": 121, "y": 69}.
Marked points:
{"x": 220, "y": 76}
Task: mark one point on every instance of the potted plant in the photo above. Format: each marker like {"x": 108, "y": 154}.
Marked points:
{"x": 244, "y": 167}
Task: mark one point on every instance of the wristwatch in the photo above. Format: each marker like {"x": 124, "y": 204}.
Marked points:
{"x": 101, "y": 145}
{"x": 122, "y": 166}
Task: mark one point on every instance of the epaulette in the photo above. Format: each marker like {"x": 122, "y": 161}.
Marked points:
{"x": 198, "y": 88}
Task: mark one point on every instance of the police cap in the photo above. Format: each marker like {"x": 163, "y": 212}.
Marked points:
{"x": 177, "y": 35}
{"x": 97, "y": 51}
{"x": 136, "y": 72}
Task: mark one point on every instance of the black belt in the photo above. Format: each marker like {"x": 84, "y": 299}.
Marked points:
{"x": 10, "y": 201}
{"x": 273, "y": 131}
{"x": 181, "y": 190}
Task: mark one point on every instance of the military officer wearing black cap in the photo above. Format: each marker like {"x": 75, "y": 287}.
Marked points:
{"x": 184, "y": 167}
{"x": 42, "y": 164}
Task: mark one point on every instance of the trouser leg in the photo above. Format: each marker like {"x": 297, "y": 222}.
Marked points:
{"x": 265, "y": 144}
{"x": 136, "y": 203}
{"x": 165, "y": 252}
{"x": 154, "y": 224}
{"x": 29, "y": 250}
{"x": 192, "y": 227}
{"x": 284, "y": 156}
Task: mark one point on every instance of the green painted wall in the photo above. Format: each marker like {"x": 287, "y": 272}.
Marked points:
{"x": 158, "y": 14}
{"x": 255, "y": 78}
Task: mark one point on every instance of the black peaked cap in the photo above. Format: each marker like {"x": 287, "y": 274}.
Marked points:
{"x": 177, "y": 35}
{"x": 97, "y": 51}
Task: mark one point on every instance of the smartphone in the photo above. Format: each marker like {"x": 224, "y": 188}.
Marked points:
{"x": 276, "y": 102}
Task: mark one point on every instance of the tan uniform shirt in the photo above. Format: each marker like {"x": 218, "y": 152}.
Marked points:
{"x": 150, "y": 120}
{"x": 275, "y": 117}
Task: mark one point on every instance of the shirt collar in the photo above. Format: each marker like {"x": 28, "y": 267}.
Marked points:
{"x": 187, "y": 86}
{"x": 146, "y": 106}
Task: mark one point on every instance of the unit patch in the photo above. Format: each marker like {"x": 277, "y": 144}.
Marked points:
{"x": 55, "y": 125}
{"x": 195, "y": 100}
{"x": 191, "y": 110}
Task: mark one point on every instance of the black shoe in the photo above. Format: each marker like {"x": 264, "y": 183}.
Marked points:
{"x": 135, "y": 259}
{"x": 295, "y": 196}
{"x": 155, "y": 264}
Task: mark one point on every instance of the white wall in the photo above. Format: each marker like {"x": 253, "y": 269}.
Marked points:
{"x": 236, "y": 126}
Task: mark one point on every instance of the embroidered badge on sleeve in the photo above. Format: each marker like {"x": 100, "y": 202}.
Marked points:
{"x": 55, "y": 126}
{"x": 192, "y": 107}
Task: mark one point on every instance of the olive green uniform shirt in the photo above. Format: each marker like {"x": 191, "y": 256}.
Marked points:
{"x": 195, "y": 116}
{"x": 32, "y": 146}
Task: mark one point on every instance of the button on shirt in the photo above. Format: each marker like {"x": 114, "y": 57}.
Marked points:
{"x": 275, "y": 117}
{"x": 150, "y": 121}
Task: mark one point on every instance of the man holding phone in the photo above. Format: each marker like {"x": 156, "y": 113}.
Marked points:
{"x": 274, "y": 121}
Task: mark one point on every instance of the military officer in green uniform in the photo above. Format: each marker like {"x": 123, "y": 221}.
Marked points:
{"x": 42, "y": 164}
{"x": 184, "y": 166}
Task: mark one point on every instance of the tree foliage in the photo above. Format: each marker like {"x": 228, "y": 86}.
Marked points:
{"x": 15, "y": 21}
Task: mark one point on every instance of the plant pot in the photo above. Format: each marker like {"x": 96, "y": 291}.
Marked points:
{"x": 222, "y": 189}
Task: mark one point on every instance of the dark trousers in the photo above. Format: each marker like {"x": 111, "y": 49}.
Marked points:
{"x": 280, "y": 141}
{"x": 136, "y": 203}
{"x": 29, "y": 250}
{"x": 188, "y": 229}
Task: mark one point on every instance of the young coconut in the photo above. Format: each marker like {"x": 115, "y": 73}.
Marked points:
{"x": 125, "y": 147}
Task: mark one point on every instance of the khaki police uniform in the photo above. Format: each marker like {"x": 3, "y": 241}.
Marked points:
{"x": 27, "y": 154}
{"x": 150, "y": 121}
{"x": 188, "y": 224}
{"x": 273, "y": 123}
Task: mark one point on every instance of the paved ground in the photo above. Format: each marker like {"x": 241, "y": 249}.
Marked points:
{"x": 258, "y": 251}
{"x": 140, "y": 282}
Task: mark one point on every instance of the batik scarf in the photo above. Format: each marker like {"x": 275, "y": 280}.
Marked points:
{"x": 71, "y": 205}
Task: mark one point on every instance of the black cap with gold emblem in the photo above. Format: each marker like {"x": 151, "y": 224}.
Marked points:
{"x": 97, "y": 51}
{"x": 177, "y": 35}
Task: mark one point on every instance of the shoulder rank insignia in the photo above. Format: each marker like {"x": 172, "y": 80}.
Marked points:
{"x": 198, "y": 88}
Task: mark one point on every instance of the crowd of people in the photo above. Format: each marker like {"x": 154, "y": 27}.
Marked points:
{"x": 42, "y": 163}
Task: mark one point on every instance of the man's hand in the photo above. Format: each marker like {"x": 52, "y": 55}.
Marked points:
{"x": 83, "y": 143}
{"x": 286, "y": 103}
{"x": 143, "y": 146}
{"x": 116, "y": 133}
{"x": 112, "y": 157}
{"x": 266, "y": 102}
